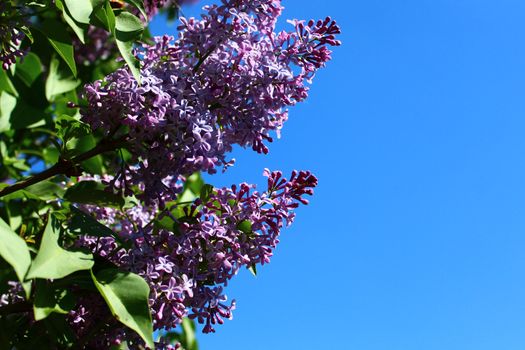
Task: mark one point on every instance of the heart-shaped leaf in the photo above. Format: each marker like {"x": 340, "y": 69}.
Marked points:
{"x": 127, "y": 297}
{"x": 52, "y": 261}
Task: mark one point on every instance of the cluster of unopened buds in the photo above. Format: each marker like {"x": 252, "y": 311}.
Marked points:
{"x": 11, "y": 34}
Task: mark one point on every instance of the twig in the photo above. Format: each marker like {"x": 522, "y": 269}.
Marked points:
{"x": 64, "y": 166}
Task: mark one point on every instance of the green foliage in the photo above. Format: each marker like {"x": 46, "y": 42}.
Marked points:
{"x": 83, "y": 224}
{"x": 61, "y": 42}
{"x": 92, "y": 192}
{"x": 128, "y": 28}
{"x": 194, "y": 188}
{"x": 51, "y": 298}
{"x": 186, "y": 337}
{"x": 52, "y": 261}
{"x": 127, "y": 297}
{"x": 58, "y": 82}
{"x": 14, "y": 251}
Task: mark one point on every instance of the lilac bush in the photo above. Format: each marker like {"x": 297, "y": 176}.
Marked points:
{"x": 125, "y": 154}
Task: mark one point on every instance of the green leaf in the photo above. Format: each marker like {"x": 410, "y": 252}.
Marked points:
{"x": 49, "y": 298}
{"x": 51, "y": 155}
{"x": 57, "y": 82}
{"x": 139, "y": 5}
{"x": 27, "y": 33}
{"x": 105, "y": 17}
{"x": 205, "y": 192}
{"x": 18, "y": 114}
{"x": 15, "y": 252}
{"x": 81, "y": 9}
{"x": 7, "y": 106}
{"x": 61, "y": 41}
{"x": 6, "y": 84}
{"x": 78, "y": 28}
{"x": 245, "y": 226}
{"x": 127, "y": 297}
{"x": 52, "y": 261}
{"x": 128, "y": 28}
{"x": 172, "y": 12}
{"x": 44, "y": 191}
{"x": 111, "y": 19}
{"x": 189, "y": 342}
{"x": 253, "y": 269}
{"x": 92, "y": 192}
{"x": 194, "y": 183}
{"x": 94, "y": 165}
{"x": 28, "y": 109}
{"x": 68, "y": 127}
{"x": 82, "y": 223}
{"x": 30, "y": 69}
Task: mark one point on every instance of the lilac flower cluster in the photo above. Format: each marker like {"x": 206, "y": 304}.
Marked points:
{"x": 227, "y": 80}
{"x": 188, "y": 267}
{"x": 11, "y": 34}
{"x": 99, "y": 46}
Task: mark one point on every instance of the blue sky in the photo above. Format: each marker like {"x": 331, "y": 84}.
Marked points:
{"x": 415, "y": 238}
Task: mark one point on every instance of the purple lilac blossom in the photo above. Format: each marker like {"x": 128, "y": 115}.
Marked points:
{"x": 188, "y": 268}
{"x": 227, "y": 80}
{"x": 11, "y": 34}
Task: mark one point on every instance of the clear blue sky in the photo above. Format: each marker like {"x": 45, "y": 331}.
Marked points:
{"x": 415, "y": 239}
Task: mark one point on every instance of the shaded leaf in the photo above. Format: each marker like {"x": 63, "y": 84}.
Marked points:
{"x": 61, "y": 41}
{"x": 68, "y": 127}
{"x": 205, "y": 192}
{"x": 105, "y": 17}
{"x": 82, "y": 223}
{"x": 92, "y": 192}
{"x": 50, "y": 298}
{"x": 76, "y": 146}
{"x": 29, "y": 69}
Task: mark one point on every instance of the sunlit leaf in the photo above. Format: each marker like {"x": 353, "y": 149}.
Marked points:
{"x": 127, "y": 297}
{"x": 14, "y": 250}
{"x": 52, "y": 261}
